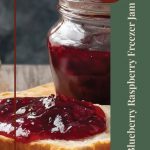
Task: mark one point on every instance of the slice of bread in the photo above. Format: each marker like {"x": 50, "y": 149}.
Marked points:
{"x": 97, "y": 142}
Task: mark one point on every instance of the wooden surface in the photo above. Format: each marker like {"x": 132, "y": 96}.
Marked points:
{"x": 28, "y": 76}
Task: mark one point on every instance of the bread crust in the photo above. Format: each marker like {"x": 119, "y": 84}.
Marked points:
{"x": 97, "y": 142}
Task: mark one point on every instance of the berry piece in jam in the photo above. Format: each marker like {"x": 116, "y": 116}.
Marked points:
{"x": 50, "y": 118}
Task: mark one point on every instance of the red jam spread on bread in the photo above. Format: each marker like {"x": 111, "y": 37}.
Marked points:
{"x": 40, "y": 118}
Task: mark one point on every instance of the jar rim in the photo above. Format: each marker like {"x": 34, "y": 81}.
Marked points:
{"x": 94, "y": 1}
{"x": 87, "y": 7}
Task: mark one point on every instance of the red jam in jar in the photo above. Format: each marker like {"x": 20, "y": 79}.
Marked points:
{"x": 40, "y": 118}
{"x": 79, "y": 48}
{"x": 81, "y": 74}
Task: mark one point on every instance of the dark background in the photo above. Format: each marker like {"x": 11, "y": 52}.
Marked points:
{"x": 34, "y": 18}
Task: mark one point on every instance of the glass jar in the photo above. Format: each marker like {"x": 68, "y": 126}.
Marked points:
{"x": 79, "y": 48}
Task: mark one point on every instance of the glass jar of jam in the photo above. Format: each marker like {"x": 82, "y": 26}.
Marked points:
{"x": 79, "y": 48}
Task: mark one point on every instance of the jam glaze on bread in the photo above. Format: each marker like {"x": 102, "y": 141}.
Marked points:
{"x": 96, "y": 142}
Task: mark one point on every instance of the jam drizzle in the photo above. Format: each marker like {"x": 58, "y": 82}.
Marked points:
{"x": 50, "y": 117}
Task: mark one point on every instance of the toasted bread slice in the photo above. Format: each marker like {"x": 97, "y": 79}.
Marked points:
{"x": 97, "y": 142}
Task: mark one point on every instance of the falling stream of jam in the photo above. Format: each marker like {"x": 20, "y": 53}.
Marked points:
{"x": 50, "y": 118}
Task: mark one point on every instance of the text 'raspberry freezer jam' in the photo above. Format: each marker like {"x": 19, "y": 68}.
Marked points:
{"x": 50, "y": 118}
{"x": 81, "y": 73}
